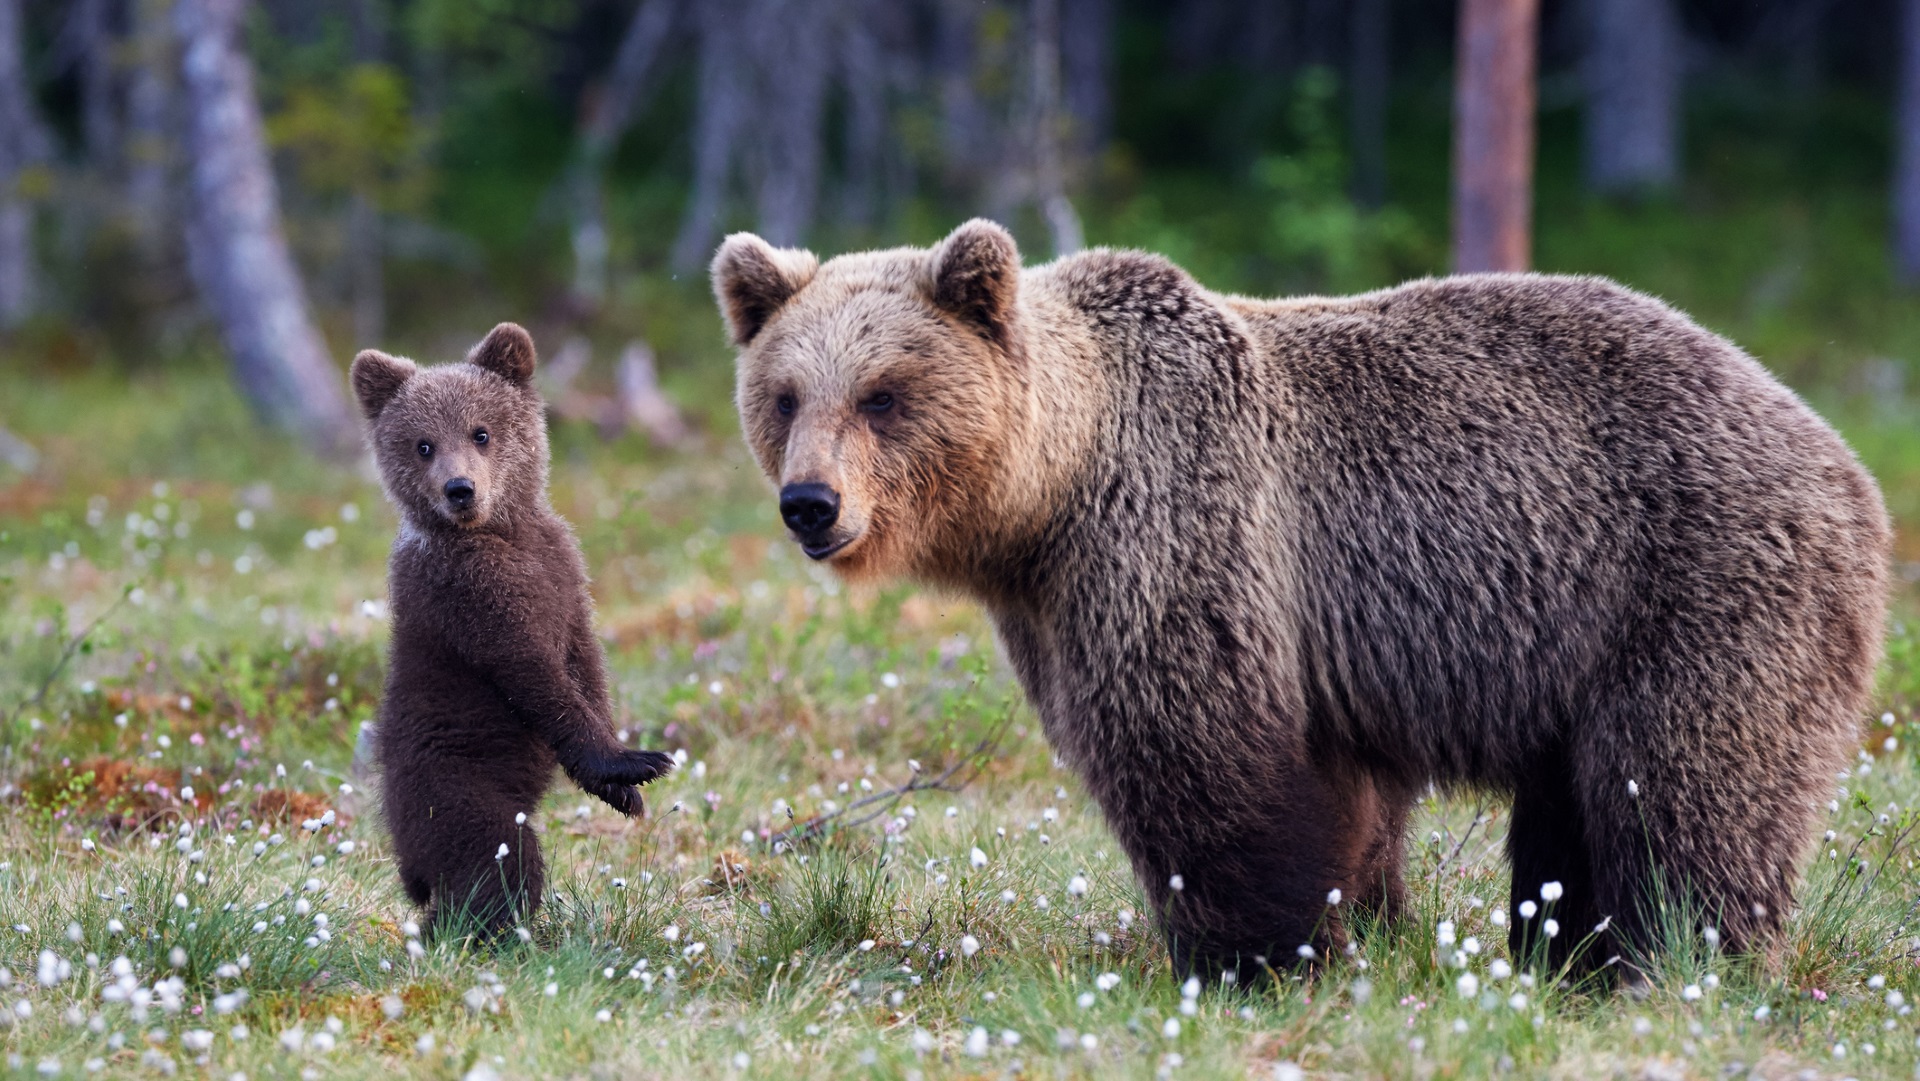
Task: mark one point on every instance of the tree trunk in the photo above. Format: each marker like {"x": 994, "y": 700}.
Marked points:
{"x": 718, "y": 118}
{"x": 24, "y": 147}
{"x": 92, "y": 45}
{"x": 603, "y": 122}
{"x": 1906, "y": 175}
{"x": 237, "y": 250}
{"x": 1086, "y": 70}
{"x": 963, "y": 123}
{"x": 1493, "y": 115}
{"x": 791, "y": 46}
{"x": 366, "y": 227}
{"x": 1369, "y": 79}
{"x": 1049, "y": 171}
{"x": 150, "y": 203}
{"x": 1632, "y": 74}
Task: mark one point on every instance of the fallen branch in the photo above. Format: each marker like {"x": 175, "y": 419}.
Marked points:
{"x": 638, "y": 402}
{"x": 868, "y": 808}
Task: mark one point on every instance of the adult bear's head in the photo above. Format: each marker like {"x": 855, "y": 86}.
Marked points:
{"x": 880, "y": 392}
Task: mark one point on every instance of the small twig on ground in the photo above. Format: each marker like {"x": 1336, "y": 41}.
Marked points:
{"x": 867, "y": 808}
{"x": 1479, "y": 815}
{"x": 67, "y": 653}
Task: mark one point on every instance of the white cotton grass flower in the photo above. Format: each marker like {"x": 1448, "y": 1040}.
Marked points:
{"x": 1171, "y": 1029}
{"x": 1691, "y": 992}
{"x": 1551, "y": 892}
{"x": 1107, "y": 981}
{"x": 976, "y": 1044}
{"x": 1176, "y": 883}
{"x": 1077, "y": 886}
{"x": 1444, "y": 933}
{"x": 502, "y": 852}
{"x": 1468, "y": 985}
{"x": 1633, "y": 788}
{"x": 977, "y": 858}
{"x": 1333, "y": 896}
{"x": 969, "y": 945}
{"x": 1550, "y": 927}
{"x": 1528, "y": 909}
{"x": 1499, "y": 969}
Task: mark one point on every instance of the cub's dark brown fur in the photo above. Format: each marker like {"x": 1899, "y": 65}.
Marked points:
{"x": 1268, "y": 568}
{"x": 495, "y": 673}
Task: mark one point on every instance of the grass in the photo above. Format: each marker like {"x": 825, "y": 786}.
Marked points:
{"x": 189, "y": 605}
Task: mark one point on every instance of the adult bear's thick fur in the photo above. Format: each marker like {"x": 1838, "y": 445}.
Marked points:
{"x": 1268, "y": 568}
{"x": 495, "y": 674}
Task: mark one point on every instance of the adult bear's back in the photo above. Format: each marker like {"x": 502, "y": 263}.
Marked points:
{"x": 1503, "y": 483}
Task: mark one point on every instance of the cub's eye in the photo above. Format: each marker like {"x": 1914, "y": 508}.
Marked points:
{"x": 784, "y": 404}
{"x": 425, "y": 448}
{"x": 879, "y": 403}
{"x": 480, "y": 437}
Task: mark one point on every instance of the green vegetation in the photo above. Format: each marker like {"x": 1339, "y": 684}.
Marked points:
{"x": 201, "y": 609}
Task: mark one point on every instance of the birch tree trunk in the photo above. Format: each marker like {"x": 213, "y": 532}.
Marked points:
{"x": 1906, "y": 172}
{"x": 237, "y": 250}
{"x": 1049, "y": 171}
{"x": 1631, "y": 72}
{"x": 1493, "y": 116}
{"x": 24, "y": 146}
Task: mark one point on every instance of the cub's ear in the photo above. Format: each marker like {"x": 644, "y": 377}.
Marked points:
{"x": 753, "y": 280}
{"x": 976, "y": 279}
{"x": 506, "y": 351}
{"x": 377, "y": 377}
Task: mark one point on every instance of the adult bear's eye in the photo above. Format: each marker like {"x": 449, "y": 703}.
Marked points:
{"x": 879, "y": 403}
{"x": 784, "y": 404}
{"x": 425, "y": 449}
{"x": 480, "y": 437}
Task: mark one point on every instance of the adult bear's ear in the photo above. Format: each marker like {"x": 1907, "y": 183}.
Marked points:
{"x": 377, "y": 377}
{"x": 506, "y": 351}
{"x": 753, "y": 280}
{"x": 976, "y": 279}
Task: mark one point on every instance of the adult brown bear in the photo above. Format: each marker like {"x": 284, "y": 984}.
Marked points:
{"x": 1268, "y": 568}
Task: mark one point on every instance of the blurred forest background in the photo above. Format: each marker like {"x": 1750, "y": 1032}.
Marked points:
{"x": 280, "y": 183}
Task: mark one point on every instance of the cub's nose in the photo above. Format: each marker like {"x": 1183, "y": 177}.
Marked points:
{"x": 460, "y": 493}
{"x": 809, "y": 509}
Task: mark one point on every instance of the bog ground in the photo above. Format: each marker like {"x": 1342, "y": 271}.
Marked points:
{"x": 193, "y": 880}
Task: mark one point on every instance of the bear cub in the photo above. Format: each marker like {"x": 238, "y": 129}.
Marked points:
{"x": 495, "y": 675}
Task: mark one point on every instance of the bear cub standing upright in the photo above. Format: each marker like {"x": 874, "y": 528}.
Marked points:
{"x": 495, "y": 673}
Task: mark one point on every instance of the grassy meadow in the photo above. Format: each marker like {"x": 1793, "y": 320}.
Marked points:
{"x": 868, "y": 865}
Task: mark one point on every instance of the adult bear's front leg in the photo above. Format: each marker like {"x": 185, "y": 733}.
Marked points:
{"x": 1242, "y": 880}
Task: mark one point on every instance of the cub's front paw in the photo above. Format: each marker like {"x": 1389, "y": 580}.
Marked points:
{"x": 612, "y": 779}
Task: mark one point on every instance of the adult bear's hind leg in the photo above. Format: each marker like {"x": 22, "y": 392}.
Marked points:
{"x": 1547, "y": 844}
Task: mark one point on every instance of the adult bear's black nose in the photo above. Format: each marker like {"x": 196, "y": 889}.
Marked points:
{"x": 809, "y": 509}
{"x": 460, "y": 493}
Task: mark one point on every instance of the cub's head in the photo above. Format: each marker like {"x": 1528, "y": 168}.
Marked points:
{"x": 878, "y": 391}
{"x": 460, "y": 446}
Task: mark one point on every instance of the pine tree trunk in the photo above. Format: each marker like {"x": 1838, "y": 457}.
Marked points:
{"x": 1631, "y": 72}
{"x": 1906, "y": 175}
{"x": 24, "y": 146}
{"x": 1493, "y": 134}
{"x": 602, "y": 125}
{"x": 238, "y": 252}
{"x": 149, "y": 158}
{"x": 1086, "y": 71}
{"x": 719, "y": 116}
{"x": 1369, "y": 79}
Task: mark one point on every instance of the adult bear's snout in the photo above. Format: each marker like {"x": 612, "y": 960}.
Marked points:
{"x": 809, "y": 509}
